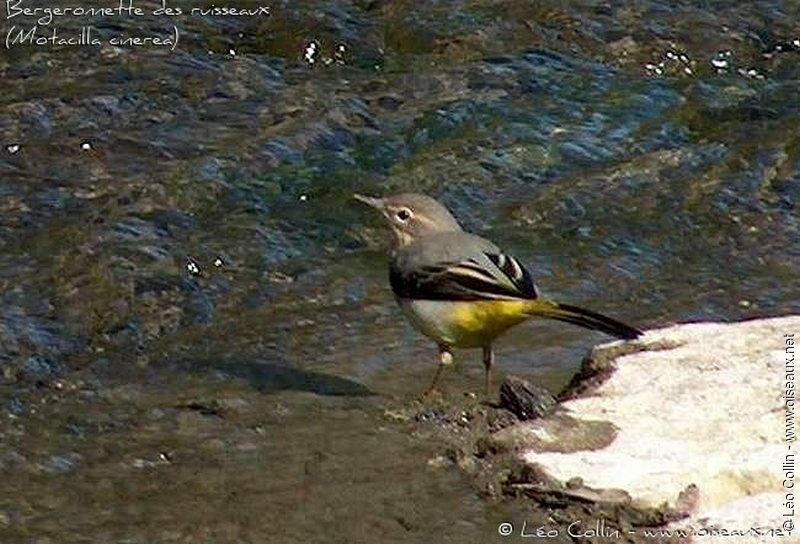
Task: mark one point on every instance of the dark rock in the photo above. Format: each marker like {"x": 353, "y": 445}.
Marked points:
{"x": 430, "y": 415}
{"x": 524, "y": 399}
{"x": 60, "y": 464}
{"x": 38, "y": 368}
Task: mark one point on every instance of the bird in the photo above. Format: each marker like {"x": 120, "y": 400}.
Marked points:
{"x": 461, "y": 290}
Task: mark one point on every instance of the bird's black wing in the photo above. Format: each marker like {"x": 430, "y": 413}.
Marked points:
{"x": 486, "y": 276}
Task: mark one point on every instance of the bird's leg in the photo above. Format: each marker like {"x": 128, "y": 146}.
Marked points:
{"x": 445, "y": 358}
{"x": 488, "y": 362}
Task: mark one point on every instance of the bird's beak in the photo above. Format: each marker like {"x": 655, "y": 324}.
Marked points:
{"x": 376, "y": 203}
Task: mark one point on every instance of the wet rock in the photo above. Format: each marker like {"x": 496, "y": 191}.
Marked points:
{"x": 277, "y": 152}
{"x": 16, "y": 407}
{"x": 135, "y": 229}
{"x": 60, "y": 464}
{"x": 431, "y": 415}
{"x": 35, "y": 118}
{"x": 158, "y": 459}
{"x": 210, "y": 170}
{"x": 39, "y": 370}
{"x": 199, "y": 305}
{"x": 21, "y": 331}
{"x": 10, "y": 459}
{"x": 524, "y": 399}
{"x": 173, "y": 222}
{"x": 105, "y": 105}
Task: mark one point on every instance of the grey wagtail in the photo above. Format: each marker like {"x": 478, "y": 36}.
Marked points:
{"x": 461, "y": 290}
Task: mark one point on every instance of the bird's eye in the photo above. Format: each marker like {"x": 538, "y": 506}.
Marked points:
{"x": 403, "y": 215}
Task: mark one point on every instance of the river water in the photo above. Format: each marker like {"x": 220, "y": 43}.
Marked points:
{"x": 197, "y": 338}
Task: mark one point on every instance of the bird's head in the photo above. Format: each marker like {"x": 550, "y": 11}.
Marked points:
{"x": 411, "y": 215}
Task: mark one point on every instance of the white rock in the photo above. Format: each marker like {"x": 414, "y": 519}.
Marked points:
{"x": 708, "y": 409}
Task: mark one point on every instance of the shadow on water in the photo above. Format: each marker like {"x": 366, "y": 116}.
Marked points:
{"x": 267, "y": 377}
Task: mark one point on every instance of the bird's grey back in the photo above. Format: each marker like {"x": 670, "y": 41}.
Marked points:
{"x": 443, "y": 247}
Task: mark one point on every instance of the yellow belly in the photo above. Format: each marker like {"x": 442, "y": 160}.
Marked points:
{"x": 465, "y": 324}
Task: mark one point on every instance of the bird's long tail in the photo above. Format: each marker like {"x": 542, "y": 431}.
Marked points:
{"x": 584, "y": 318}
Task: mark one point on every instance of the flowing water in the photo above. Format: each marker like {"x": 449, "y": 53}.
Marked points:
{"x": 197, "y": 338}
